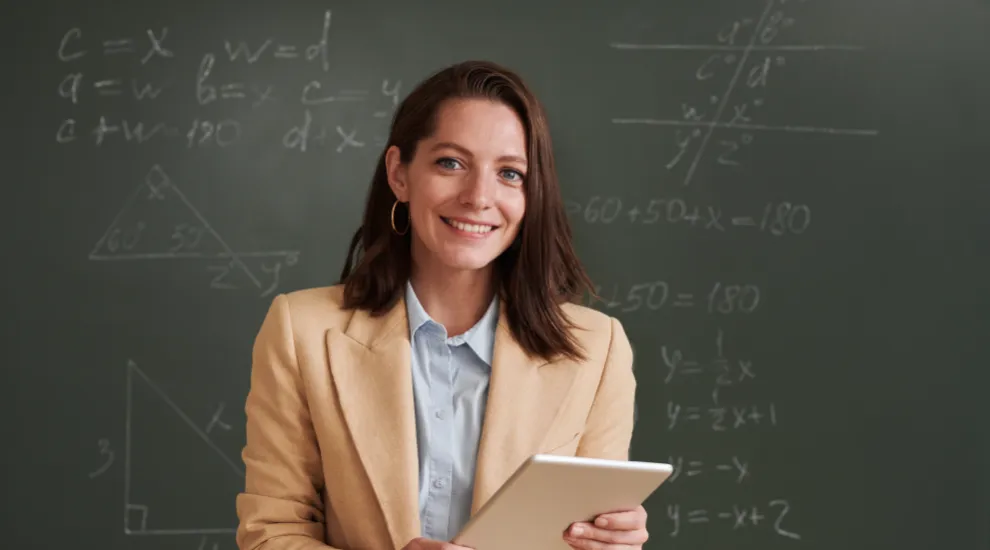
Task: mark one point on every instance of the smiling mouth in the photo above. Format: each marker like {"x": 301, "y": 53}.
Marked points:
{"x": 468, "y": 227}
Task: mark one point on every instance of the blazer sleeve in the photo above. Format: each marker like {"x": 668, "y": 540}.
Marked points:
{"x": 280, "y": 507}
{"x": 609, "y": 427}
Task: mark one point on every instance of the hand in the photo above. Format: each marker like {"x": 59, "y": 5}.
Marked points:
{"x": 421, "y": 543}
{"x": 613, "y": 531}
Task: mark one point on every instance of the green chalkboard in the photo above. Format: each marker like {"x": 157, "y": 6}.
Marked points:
{"x": 782, "y": 200}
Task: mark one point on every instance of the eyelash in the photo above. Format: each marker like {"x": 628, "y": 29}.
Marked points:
{"x": 442, "y": 161}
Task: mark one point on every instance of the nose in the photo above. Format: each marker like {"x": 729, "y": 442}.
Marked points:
{"x": 479, "y": 190}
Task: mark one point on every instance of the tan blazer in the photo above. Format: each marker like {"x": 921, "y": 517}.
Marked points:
{"x": 331, "y": 454}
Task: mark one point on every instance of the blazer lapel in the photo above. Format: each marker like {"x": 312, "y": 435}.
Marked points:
{"x": 370, "y": 362}
{"x": 525, "y": 395}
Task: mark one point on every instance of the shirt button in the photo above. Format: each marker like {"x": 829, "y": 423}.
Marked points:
{"x": 440, "y": 414}
{"x": 439, "y": 483}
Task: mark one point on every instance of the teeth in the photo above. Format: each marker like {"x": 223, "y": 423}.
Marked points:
{"x": 470, "y": 228}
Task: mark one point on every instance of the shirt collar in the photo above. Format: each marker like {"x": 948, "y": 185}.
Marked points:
{"x": 480, "y": 338}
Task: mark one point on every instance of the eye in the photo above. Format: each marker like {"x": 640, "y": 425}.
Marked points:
{"x": 513, "y": 176}
{"x": 448, "y": 163}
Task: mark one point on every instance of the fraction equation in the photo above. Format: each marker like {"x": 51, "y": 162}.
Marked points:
{"x": 719, "y": 418}
{"x": 726, "y": 372}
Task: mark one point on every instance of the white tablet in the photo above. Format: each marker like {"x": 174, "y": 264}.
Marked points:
{"x": 548, "y": 493}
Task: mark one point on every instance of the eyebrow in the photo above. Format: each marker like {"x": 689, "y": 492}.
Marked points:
{"x": 465, "y": 152}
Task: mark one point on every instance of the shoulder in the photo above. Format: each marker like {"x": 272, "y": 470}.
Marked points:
{"x": 323, "y": 300}
{"x": 600, "y": 334}
{"x": 311, "y": 308}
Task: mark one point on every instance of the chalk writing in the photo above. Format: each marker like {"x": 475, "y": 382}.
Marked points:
{"x": 715, "y": 133}
{"x": 734, "y": 468}
{"x": 728, "y": 372}
{"x": 137, "y": 515}
{"x": 744, "y": 52}
{"x": 130, "y": 131}
{"x": 724, "y": 371}
{"x": 153, "y": 47}
{"x": 733, "y": 517}
{"x": 719, "y": 418}
{"x": 158, "y": 222}
{"x": 312, "y": 94}
{"x": 721, "y": 298}
{"x": 720, "y": 101}
{"x": 108, "y": 455}
{"x": 221, "y": 133}
{"x": 774, "y": 218}
{"x": 208, "y": 92}
{"x": 305, "y": 135}
{"x": 215, "y": 421}
{"x": 250, "y": 54}
{"x": 70, "y": 87}
{"x": 390, "y": 91}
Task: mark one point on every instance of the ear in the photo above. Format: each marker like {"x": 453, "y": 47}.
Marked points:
{"x": 397, "y": 173}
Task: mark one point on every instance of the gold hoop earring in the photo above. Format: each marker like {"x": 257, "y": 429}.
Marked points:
{"x": 408, "y": 223}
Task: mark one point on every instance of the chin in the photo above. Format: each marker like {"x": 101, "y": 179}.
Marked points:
{"x": 468, "y": 262}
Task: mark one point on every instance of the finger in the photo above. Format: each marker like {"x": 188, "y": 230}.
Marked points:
{"x": 583, "y": 530}
{"x": 622, "y": 521}
{"x": 589, "y": 544}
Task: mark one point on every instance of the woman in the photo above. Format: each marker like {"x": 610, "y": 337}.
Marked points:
{"x": 385, "y": 410}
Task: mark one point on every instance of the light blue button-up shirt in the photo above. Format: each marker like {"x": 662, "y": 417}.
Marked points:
{"x": 450, "y": 389}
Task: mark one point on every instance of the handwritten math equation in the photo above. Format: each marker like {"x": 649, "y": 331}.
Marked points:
{"x": 721, "y": 370}
{"x": 718, "y": 418}
{"x": 777, "y": 219}
{"x": 721, "y": 298}
{"x": 733, "y": 469}
{"x": 710, "y": 138}
{"x": 771, "y": 516}
{"x": 208, "y": 88}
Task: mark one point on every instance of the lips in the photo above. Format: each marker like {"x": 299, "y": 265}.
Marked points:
{"x": 480, "y": 229}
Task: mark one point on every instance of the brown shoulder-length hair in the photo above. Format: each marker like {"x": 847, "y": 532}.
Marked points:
{"x": 535, "y": 275}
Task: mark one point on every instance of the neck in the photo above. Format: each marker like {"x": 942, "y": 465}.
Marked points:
{"x": 456, "y": 300}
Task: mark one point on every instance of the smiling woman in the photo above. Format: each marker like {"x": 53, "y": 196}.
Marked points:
{"x": 472, "y": 145}
{"x": 386, "y": 410}
{"x": 464, "y": 187}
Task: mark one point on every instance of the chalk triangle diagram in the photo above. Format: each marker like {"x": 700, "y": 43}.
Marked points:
{"x": 177, "y": 481}
{"x": 157, "y": 221}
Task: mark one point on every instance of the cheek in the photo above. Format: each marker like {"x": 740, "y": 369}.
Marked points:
{"x": 514, "y": 210}
{"x": 420, "y": 212}
{"x": 424, "y": 198}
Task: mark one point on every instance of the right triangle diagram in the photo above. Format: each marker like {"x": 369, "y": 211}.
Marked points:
{"x": 157, "y": 221}
{"x": 177, "y": 479}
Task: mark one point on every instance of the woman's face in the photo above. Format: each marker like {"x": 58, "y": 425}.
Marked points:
{"x": 464, "y": 186}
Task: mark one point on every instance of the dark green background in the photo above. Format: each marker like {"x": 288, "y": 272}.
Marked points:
{"x": 867, "y": 338}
